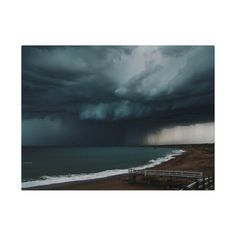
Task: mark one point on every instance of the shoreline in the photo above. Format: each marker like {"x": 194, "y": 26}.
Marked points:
{"x": 196, "y": 158}
{"x": 102, "y": 174}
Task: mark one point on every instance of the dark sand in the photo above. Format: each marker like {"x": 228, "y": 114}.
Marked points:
{"x": 197, "y": 158}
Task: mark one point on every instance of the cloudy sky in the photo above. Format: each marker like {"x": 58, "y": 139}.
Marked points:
{"x": 117, "y": 95}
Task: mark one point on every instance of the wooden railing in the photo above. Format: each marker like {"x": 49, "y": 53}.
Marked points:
{"x": 206, "y": 183}
{"x": 167, "y": 173}
{"x": 200, "y": 182}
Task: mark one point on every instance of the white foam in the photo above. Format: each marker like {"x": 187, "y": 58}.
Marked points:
{"x": 47, "y": 180}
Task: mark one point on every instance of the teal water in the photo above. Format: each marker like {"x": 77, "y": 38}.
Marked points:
{"x": 40, "y": 163}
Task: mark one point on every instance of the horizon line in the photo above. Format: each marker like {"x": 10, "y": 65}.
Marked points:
{"x": 129, "y": 145}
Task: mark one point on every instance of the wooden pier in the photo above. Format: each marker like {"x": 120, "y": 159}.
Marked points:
{"x": 164, "y": 173}
{"x": 150, "y": 176}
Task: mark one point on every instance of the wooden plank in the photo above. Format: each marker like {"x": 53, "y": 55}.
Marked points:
{"x": 192, "y": 185}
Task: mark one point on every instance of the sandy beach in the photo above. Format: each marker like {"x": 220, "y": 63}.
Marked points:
{"x": 196, "y": 158}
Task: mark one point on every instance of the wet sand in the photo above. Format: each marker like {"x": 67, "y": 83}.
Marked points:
{"x": 196, "y": 158}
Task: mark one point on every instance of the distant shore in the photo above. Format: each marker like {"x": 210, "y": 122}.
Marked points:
{"x": 196, "y": 158}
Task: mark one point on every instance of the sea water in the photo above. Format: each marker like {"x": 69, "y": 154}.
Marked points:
{"x": 50, "y": 165}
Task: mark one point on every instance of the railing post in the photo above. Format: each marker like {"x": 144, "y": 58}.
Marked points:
{"x": 197, "y": 185}
{"x": 203, "y": 184}
{"x": 132, "y": 178}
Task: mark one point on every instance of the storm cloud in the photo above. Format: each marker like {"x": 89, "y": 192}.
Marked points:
{"x": 113, "y": 95}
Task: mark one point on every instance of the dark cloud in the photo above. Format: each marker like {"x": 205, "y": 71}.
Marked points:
{"x": 175, "y": 51}
{"x": 111, "y": 94}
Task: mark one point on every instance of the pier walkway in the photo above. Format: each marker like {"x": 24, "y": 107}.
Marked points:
{"x": 199, "y": 183}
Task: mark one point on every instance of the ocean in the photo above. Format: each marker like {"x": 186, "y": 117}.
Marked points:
{"x": 50, "y": 165}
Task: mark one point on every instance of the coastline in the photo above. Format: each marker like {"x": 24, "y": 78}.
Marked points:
{"x": 196, "y": 158}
